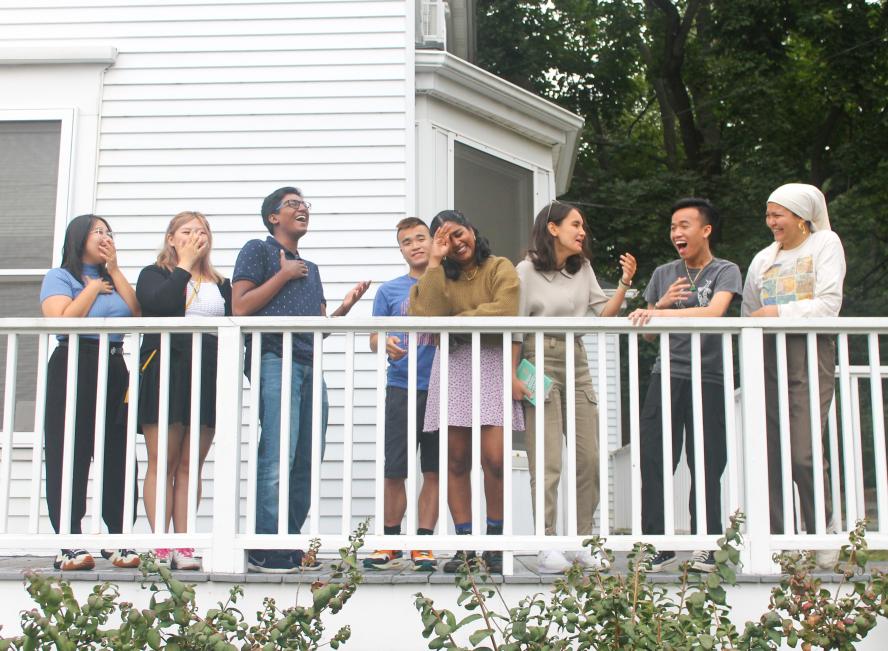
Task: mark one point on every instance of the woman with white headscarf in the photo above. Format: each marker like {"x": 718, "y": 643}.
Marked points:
{"x": 799, "y": 275}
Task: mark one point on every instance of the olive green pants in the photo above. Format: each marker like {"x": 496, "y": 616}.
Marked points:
{"x": 554, "y": 435}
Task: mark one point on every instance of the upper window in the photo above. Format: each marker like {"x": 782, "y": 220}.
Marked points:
{"x": 29, "y": 172}
{"x": 496, "y": 196}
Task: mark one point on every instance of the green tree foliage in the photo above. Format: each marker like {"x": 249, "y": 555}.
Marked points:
{"x": 721, "y": 98}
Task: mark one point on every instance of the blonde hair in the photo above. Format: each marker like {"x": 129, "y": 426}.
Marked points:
{"x": 168, "y": 258}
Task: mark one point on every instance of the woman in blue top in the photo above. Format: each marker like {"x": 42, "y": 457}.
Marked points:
{"x": 88, "y": 284}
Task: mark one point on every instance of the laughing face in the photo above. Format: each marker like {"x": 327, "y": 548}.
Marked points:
{"x": 569, "y": 234}
{"x": 689, "y": 232}
{"x": 785, "y": 225}
{"x": 415, "y": 244}
{"x": 291, "y": 216}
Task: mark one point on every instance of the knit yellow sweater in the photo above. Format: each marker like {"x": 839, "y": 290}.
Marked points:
{"x": 493, "y": 291}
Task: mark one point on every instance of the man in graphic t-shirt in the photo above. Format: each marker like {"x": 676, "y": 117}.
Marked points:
{"x": 393, "y": 299}
{"x": 696, "y": 285}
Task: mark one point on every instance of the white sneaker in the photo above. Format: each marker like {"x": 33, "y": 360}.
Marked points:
{"x": 552, "y": 561}
{"x": 183, "y": 559}
{"x": 592, "y": 560}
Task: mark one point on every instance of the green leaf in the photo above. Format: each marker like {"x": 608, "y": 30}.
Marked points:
{"x": 479, "y": 635}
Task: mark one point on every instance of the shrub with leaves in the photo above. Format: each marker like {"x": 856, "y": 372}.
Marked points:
{"x": 601, "y": 611}
{"x": 172, "y": 621}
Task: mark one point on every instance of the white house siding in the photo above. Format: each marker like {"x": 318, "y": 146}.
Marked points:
{"x": 210, "y": 105}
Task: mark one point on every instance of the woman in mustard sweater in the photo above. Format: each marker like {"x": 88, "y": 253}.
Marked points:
{"x": 464, "y": 279}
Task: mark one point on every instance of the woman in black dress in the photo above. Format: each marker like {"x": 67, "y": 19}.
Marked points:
{"x": 182, "y": 282}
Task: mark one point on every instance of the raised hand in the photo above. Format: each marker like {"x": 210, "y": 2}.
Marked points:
{"x": 293, "y": 268}
{"x": 677, "y": 292}
{"x": 355, "y": 294}
{"x": 441, "y": 243}
{"x": 194, "y": 249}
{"x": 627, "y": 262}
{"x": 108, "y": 253}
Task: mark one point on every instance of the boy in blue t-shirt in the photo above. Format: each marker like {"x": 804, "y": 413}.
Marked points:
{"x": 392, "y": 299}
{"x": 271, "y": 279}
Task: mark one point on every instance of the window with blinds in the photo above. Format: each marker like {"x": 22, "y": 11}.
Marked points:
{"x": 29, "y": 170}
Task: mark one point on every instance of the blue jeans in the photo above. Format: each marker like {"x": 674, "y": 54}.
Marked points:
{"x": 267, "y": 474}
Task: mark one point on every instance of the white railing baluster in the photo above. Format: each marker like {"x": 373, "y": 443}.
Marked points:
{"x": 131, "y": 474}
{"x": 163, "y": 431}
{"x": 603, "y": 456}
{"x": 786, "y": 483}
{"x": 858, "y": 440}
{"x": 98, "y": 465}
{"x": 284, "y": 451}
{"x": 317, "y": 434}
{"x": 508, "y": 556}
{"x": 877, "y": 407}
{"x": 477, "y": 486}
{"x": 348, "y": 431}
{"x": 835, "y": 481}
{"x": 379, "y": 457}
{"x": 847, "y": 432}
{"x": 733, "y": 479}
{"x": 8, "y": 427}
{"x": 253, "y": 434}
{"x": 570, "y": 430}
{"x": 68, "y": 436}
{"x": 699, "y": 468}
{"x": 443, "y": 433}
{"x": 226, "y": 555}
{"x": 634, "y": 435}
{"x": 39, "y": 435}
{"x": 666, "y": 415}
{"x": 757, "y": 551}
{"x": 539, "y": 439}
{"x": 413, "y": 430}
{"x": 194, "y": 430}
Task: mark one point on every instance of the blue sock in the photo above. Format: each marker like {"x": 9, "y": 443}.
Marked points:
{"x": 463, "y": 528}
{"x": 494, "y": 527}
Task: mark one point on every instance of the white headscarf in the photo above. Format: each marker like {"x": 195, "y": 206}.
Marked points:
{"x": 804, "y": 200}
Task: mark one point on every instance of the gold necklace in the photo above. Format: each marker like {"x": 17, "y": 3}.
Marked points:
{"x": 471, "y": 276}
{"x": 695, "y": 278}
{"x": 195, "y": 286}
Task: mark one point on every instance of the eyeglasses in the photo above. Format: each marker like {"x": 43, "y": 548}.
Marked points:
{"x": 101, "y": 232}
{"x": 294, "y": 204}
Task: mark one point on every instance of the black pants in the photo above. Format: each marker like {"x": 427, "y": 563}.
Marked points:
{"x": 714, "y": 449}
{"x": 114, "y": 471}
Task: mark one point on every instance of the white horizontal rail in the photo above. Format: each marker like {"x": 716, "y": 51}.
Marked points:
{"x": 357, "y": 383}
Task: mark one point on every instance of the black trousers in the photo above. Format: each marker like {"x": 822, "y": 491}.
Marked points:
{"x": 714, "y": 451}
{"x": 114, "y": 471}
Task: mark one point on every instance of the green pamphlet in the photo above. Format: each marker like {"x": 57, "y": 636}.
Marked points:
{"x": 527, "y": 374}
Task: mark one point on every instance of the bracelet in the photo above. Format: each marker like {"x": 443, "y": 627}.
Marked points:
{"x": 623, "y": 285}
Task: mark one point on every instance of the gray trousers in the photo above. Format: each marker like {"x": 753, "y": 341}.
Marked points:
{"x": 802, "y": 459}
{"x": 555, "y": 432}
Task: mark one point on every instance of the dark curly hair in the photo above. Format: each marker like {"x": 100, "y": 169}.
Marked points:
{"x": 482, "y": 245}
{"x": 542, "y": 242}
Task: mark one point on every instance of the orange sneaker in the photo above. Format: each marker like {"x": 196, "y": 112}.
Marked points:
{"x": 423, "y": 560}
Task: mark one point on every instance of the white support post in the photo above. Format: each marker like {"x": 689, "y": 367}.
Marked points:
{"x": 508, "y": 515}
{"x": 603, "y": 451}
{"x": 317, "y": 433}
{"x": 68, "y": 449}
{"x": 878, "y": 431}
{"x": 634, "y": 434}
{"x": 570, "y": 429}
{"x": 253, "y": 436}
{"x": 348, "y": 432}
{"x": 224, "y": 555}
{"x": 847, "y": 433}
{"x": 443, "y": 428}
{"x": 194, "y": 431}
{"x": 785, "y": 449}
{"x": 284, "y": 452}
{"x": 539, "y": 437}
{"x": 666, "y": 416}
{"x": 477, "y": 486}
{"x": 757, "y": 551}
{"x": 39, "y": 424}
{"x": 413, "y": 430}
{"x": 379, "y": 459}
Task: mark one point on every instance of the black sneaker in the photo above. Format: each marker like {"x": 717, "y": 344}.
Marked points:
{"x": 459, "y": 559}
{"x": 271, "y": 561}
{"x": 494, "y": 561}
{"x": 702, "y": 561}
{"x": 659, "y": 561}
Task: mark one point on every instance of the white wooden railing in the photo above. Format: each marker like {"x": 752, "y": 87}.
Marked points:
{"x": 228, "y": 526}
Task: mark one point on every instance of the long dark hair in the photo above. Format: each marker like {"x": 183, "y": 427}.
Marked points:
{"x": 482, "y": 245}
{"x": 542, "y": 242}
{"x": 76, "y": 234}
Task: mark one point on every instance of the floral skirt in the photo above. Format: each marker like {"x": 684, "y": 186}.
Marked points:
{"x": 459, "y": 396}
